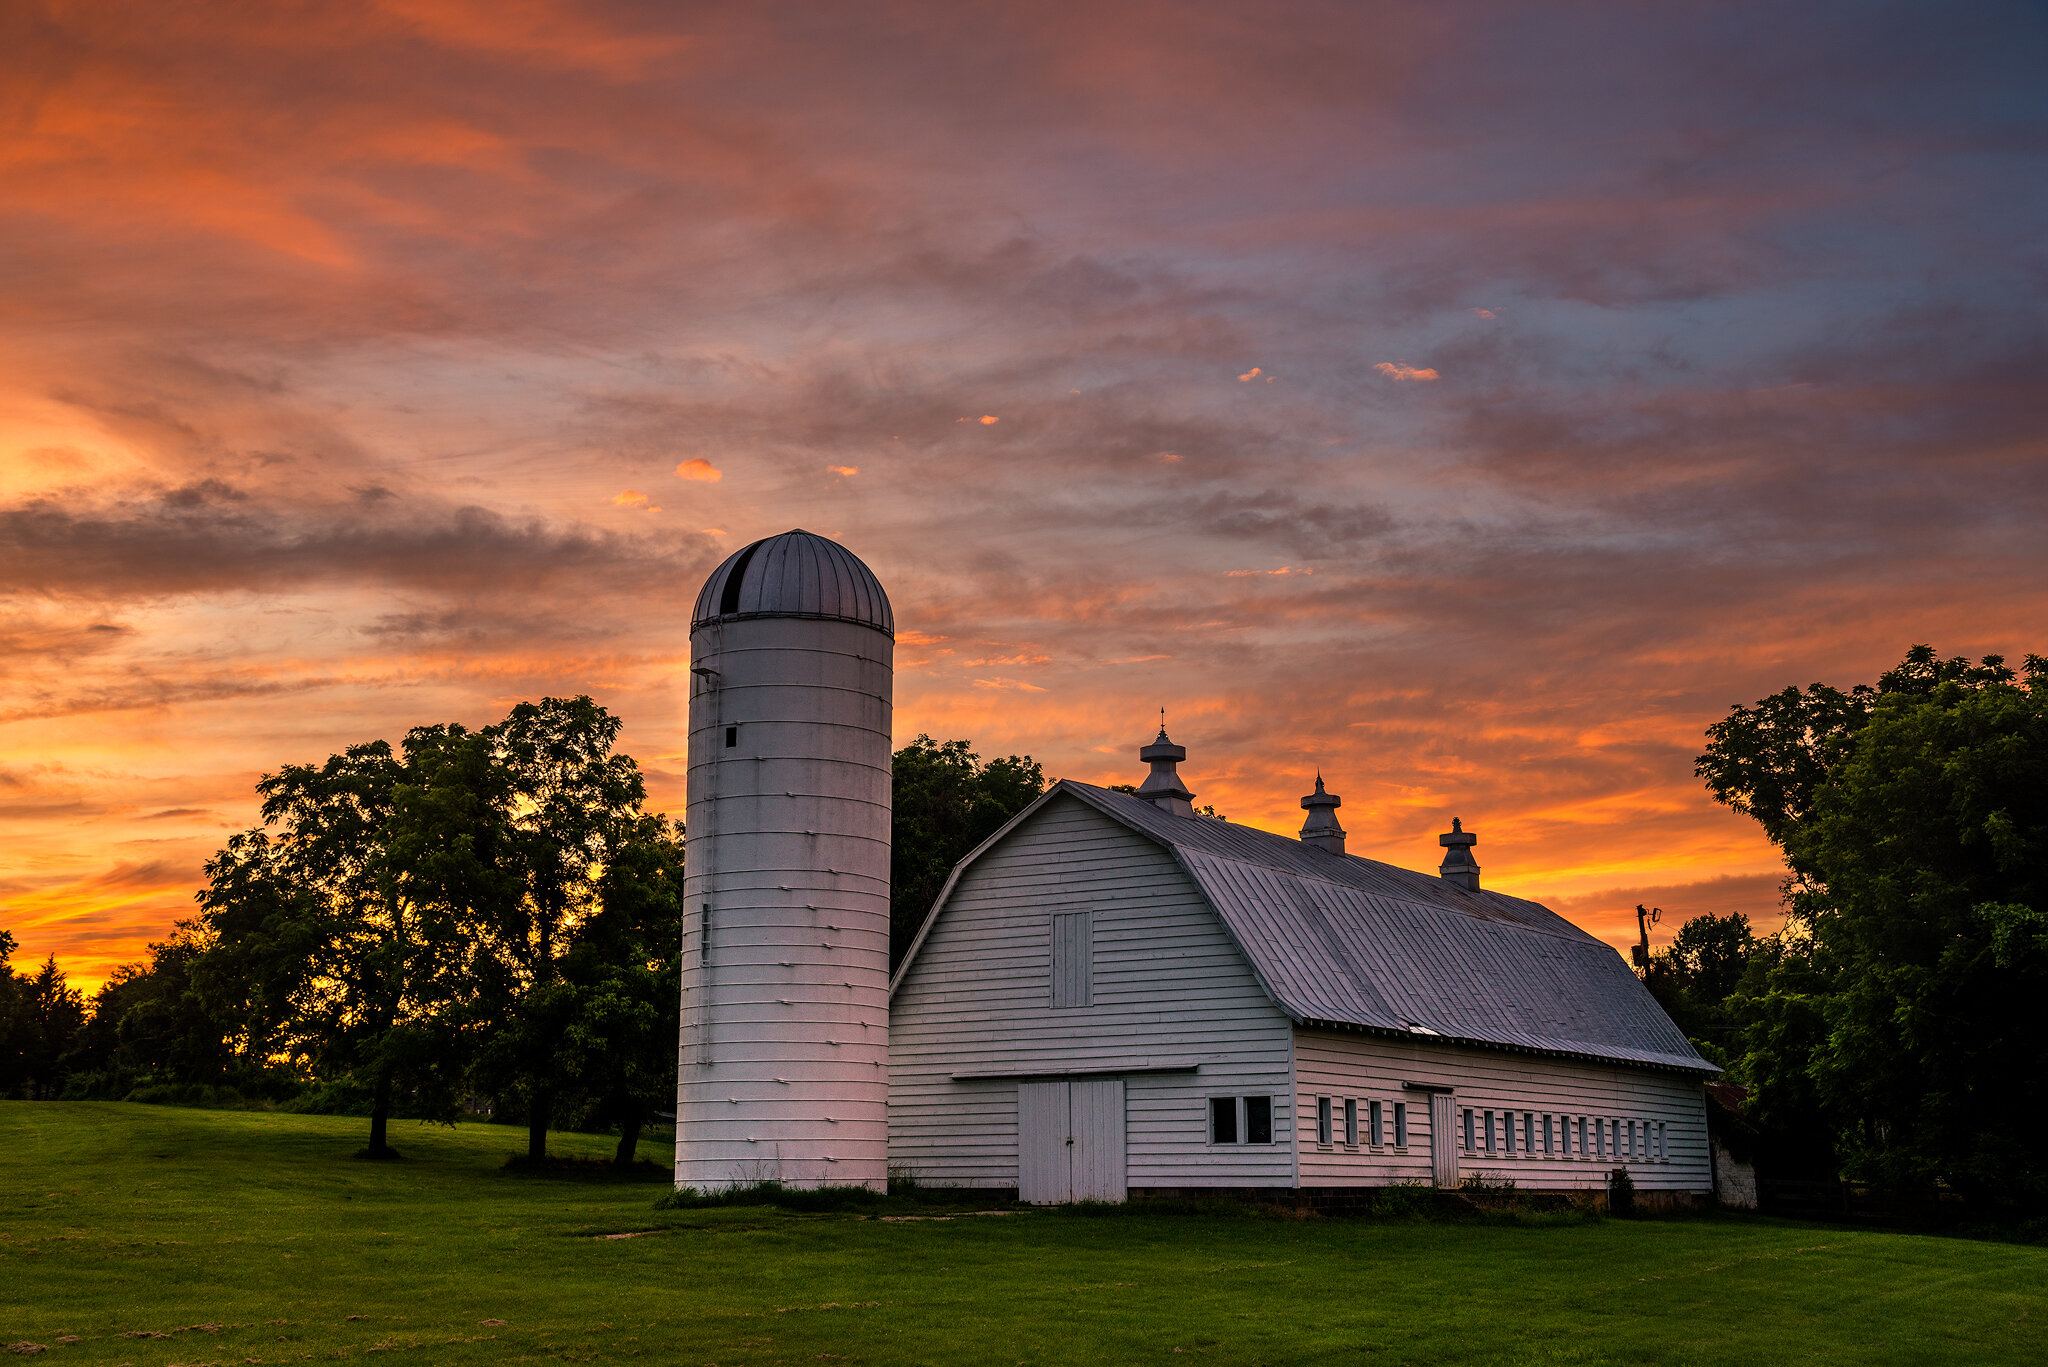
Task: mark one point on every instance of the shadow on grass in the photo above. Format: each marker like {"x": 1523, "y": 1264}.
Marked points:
{"x": 586, "y": 1169}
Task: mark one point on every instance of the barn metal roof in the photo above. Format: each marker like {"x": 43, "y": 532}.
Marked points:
{"x": 1345, "y": 942}
{"x": 796, "y": 574}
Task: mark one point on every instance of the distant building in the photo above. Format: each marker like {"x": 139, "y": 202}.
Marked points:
{"x": 1113, "y": 994}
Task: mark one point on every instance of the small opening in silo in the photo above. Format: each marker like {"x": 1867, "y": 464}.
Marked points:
{"x": 729, "y": 600}
{"x": 732, "y": 737}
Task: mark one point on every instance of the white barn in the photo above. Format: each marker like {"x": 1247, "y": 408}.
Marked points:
{"x": 1114, "y": 995}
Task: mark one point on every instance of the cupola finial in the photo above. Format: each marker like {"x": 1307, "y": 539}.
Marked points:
{"x": 1163, "y": 787}
{"x": 1459, "y": 866}
{"x": 1321, "y": 829}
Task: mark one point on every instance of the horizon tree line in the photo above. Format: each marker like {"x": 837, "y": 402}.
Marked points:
{"x": 488, "y": 920}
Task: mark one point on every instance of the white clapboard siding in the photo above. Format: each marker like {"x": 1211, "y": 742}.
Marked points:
{"x": 1168, "y": 990}
{"x": 1340, "y": 1065}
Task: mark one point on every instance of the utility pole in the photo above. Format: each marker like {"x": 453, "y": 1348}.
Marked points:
{"x": 1645, "y": 918}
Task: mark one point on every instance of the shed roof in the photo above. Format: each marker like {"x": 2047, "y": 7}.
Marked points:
{"x": 1345, "y": 942}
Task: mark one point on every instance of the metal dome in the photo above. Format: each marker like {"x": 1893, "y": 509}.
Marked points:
{"x": 796, "y": 574}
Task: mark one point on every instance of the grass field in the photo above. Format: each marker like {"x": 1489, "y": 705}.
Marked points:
{"x": 148, "y": 1235}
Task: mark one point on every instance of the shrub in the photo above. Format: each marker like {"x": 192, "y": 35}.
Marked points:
{"x": 1621, "y": 1193}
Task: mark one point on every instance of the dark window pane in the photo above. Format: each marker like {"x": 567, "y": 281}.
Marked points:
{"x": 1258, "y": 1120}
{"x": 1223, "y": 1119}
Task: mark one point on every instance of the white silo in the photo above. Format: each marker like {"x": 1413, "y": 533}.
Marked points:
{"x": 785, "y": 1038}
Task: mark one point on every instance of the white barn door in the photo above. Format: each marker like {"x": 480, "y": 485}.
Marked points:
{"x": 1070, "y": 1141}
{"x": 1097, "y": 1109}
{"x": 1443, "y": 1140}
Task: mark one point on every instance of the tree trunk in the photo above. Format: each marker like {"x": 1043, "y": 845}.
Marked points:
{"x": 629, "y": 1141}
{"x": 537, "y": 1127}
{"x": 380, "y": 1116}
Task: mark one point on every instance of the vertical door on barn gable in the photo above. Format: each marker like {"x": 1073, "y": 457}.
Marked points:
{"x": 1070, "y": 1141}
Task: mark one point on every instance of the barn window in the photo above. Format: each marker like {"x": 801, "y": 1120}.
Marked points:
{"x": 732, "y": 737}
{"x": 1323, "y": 1120}
{"x": 1400, "y": 1124}
{"x": 1073, "y": 959}
{"x": 1599, "y": 1137}
{"x": 1468, "y": 1129}
{"x": 1351, "y": 1121}
{"x": 1258, "y": 1120}
{"x": 1663, "y": 1153}
{"x": 1222, "y": 1120}
{"x": 1378, "y": 1134}
{"x": 1529, "y": 1133}
{"x": 1507, "y": 1132}
{"x": 1614, "y": 1137}
{"x": 1489, "y": 1132}
{"x": 1582, "y": 1136}
{"x": 1547, "y": 1149}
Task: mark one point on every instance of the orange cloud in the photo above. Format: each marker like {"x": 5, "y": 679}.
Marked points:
{"x": 630, "y": 498}
{"x": 849, "y": 471}
{"x": 1167, "y": 457}
{"x": 1482, "y": 313}
{"x": 1284, "y": 569}
{"x": 1008, "y": 685}
{"x": 1252, "y": 374}
{"x": 699, "y": 469}
{"x": 988, "y": 419}
{"x": 1401, "y": 370}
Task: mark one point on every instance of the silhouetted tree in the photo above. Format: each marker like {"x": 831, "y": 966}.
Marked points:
{"x": 567, "y": 838}
{"x": 1900, "y": 1011}
{"x": 346, "y": 957}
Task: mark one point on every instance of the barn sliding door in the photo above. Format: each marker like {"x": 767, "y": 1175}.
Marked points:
{"x": 1045, "y": 1171}
{"x": 1443, "y": 1140}
{"x": 1070, "y": 1141}
{"x": 1096, "y": 1108}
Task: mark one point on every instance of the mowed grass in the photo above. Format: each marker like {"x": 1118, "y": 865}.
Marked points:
{"x": 258, "y": 1238}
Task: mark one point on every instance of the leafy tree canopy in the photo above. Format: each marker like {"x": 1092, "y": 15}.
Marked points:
{"x": 1900, "y": 1011}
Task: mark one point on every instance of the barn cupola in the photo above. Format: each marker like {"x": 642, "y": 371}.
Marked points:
{"x": 1459, "y": 866}
{"x": 1321, "y": 829}
{"x": 1162, "y": 787}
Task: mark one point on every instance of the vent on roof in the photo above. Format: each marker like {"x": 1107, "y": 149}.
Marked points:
{"x": 1459, "y": 866}
{"x": 1163, "y": 787}
{"x": 1321, "y": 830}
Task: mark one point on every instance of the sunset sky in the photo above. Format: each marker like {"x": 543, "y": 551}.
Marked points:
{"x": 1471, "y": 400}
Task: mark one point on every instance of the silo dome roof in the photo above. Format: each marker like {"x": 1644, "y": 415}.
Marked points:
{"x": 796, "y": 574}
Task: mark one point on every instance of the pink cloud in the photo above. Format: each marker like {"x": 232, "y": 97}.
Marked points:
{"x": 1401, "y": 370}
{"x": 699, "y": 469}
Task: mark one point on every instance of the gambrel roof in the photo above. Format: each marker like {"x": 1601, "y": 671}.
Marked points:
{"x": 1349, "y": 943}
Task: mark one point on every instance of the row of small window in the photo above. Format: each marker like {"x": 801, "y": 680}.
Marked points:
{"x": 1338, "y": 1121}
{"x": 1533, "y": 1134}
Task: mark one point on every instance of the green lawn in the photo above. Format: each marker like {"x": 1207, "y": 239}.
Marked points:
{"x": 248, "y": 1237}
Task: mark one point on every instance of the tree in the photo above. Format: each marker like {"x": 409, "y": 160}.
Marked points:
{"x": 1914, "y": 818}
{"x": 1694, "y": 976}
{"x": 49, "y": 1013}
{"x": 344, "y": 957}
{"x": 946, "y": 802}
{"x": 150, "y": 1025}
{"x": 619, "y": 1047}
{"x": 567, "y": 838}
